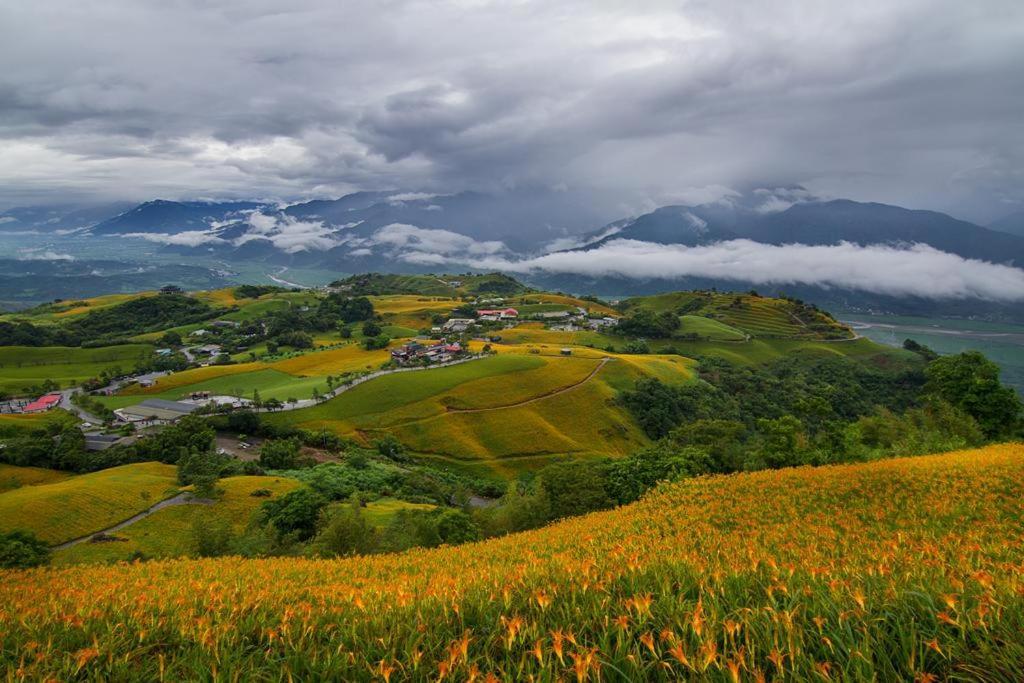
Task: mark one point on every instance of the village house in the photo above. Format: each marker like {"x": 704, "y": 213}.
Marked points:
{"x": 208, "y": 349}
{"x": 437, "y": 353}
{"x": 42, "y": 404}
{"x": 497, "y": 313}
{"x": 155, "y": 411}
{"x": 554, "y": 315}
{"x": 458, "y": 324}
{"x": 598, "y": 323}
{"x": 225, "y": 323}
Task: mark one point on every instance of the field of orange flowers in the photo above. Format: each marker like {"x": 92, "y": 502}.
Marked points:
{"x": 895, "y": 570}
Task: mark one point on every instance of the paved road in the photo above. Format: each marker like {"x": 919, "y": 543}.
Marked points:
{"x": 308, "y": 402}
{"x": 65, "y": 396}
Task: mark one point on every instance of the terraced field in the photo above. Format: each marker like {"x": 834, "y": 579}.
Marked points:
{"x": 168, "y": 532}
{"x": 26, "y": 366}
{"x": 64, "y": 510}
{"x": 753, "y": 315}
{"x": 709, "y": 328}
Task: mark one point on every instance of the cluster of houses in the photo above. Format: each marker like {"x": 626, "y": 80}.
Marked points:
{"x": 414, "y": 352}
{"x": 496, "y": 314}
{"x": 39, "y": 405}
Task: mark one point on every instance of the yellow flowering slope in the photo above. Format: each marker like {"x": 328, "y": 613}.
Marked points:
{"x": 894, "y": 570}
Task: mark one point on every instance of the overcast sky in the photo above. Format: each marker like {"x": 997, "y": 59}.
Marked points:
{"x": 916, "y": 102}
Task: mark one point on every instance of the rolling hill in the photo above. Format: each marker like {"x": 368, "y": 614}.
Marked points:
{"x": 893, "y": 570}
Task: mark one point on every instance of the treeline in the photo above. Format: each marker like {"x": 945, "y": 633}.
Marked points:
{"x": 814, "y": 411}
{"x": 111, "y": 325}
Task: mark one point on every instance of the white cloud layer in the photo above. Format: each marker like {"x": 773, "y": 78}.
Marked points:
{"x": 917, "y": 270}
{"x": 189, "y": 238}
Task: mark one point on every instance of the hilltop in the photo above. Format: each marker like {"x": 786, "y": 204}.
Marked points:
{"x": 899, "y": 569}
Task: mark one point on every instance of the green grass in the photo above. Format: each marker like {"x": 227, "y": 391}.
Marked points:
{"x": 65, "y": 510}
{"x": 270, "y": 383}
{"x": 168, "y": 532}
{"x": 19, "y": 425}
{"x": 709, "y": 328}
{"x": 25, "y": 366}
{"x": 377, "y": 399}
{"x": 380, "y": 512}
{"x": 500, "y": 415}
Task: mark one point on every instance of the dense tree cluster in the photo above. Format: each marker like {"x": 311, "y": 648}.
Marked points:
{"x": 645, "y": 323}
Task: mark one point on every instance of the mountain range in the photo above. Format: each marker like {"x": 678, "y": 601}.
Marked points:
{"x": 403, "y": 231}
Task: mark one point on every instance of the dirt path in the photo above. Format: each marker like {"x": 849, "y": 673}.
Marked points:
{"x": 180, "y": 499}
{"x": 542, "y": 397}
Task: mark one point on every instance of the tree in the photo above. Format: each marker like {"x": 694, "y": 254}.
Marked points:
{"x": 280, "y": 454}
{"x": 346, "y": 532}
{"x": 389, "y": 447}
{"x": 630, "y": 478}
{"x": 455, "y": 526}
{"x": 171, "y": 338}
{"x": 970, "y": 381}
{"x": 574, "y": 488}
{"x": 374, "y": 343}
{"x": 345, "y": 331}
{"x": 371, "y": 329}
{"x": 295, "y": 513}
{"x": 211, "y": 536}
{"x": 783, "y": 441}
{"x": 21, "y": 549}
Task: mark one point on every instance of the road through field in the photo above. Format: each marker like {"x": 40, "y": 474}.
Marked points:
{"x": 184, "y": 498}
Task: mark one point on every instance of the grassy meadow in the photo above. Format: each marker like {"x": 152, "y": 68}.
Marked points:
{"x": 26, "y": 366}
{"x": 903, "y": 569}
{"x": 168, "y": 532}
{"x": 515, "y": 410}
{"x": 13, "y": 477}
{"x": 73, "y": 507}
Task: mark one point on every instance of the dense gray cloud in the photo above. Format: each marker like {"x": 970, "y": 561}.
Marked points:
{"x": 915, "y": 102}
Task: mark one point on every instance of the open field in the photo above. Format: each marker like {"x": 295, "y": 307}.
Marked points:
{"x": 894, "y": 570}
{"x": 563, "y": 302}
{"x": 25, "y": 366}
{"x": 168, "y": 532}
{"x": 12, "y": 477}
{"x": 290, "y": 377}
{"x": 512, "y": 411}
{"x": 380, "y": 512}
{"x": 709, "y": 328}
{"x": 12, "y": 425}
{"x": 68, "y": 509}
{"x": 58, "y": 312}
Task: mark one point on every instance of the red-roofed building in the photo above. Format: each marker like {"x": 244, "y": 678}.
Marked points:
{"x": 499, "y": 312}
{"x": 41, "y": 404}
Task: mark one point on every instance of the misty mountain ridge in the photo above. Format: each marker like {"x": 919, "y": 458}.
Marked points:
{"x": 1012, "y": 224}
